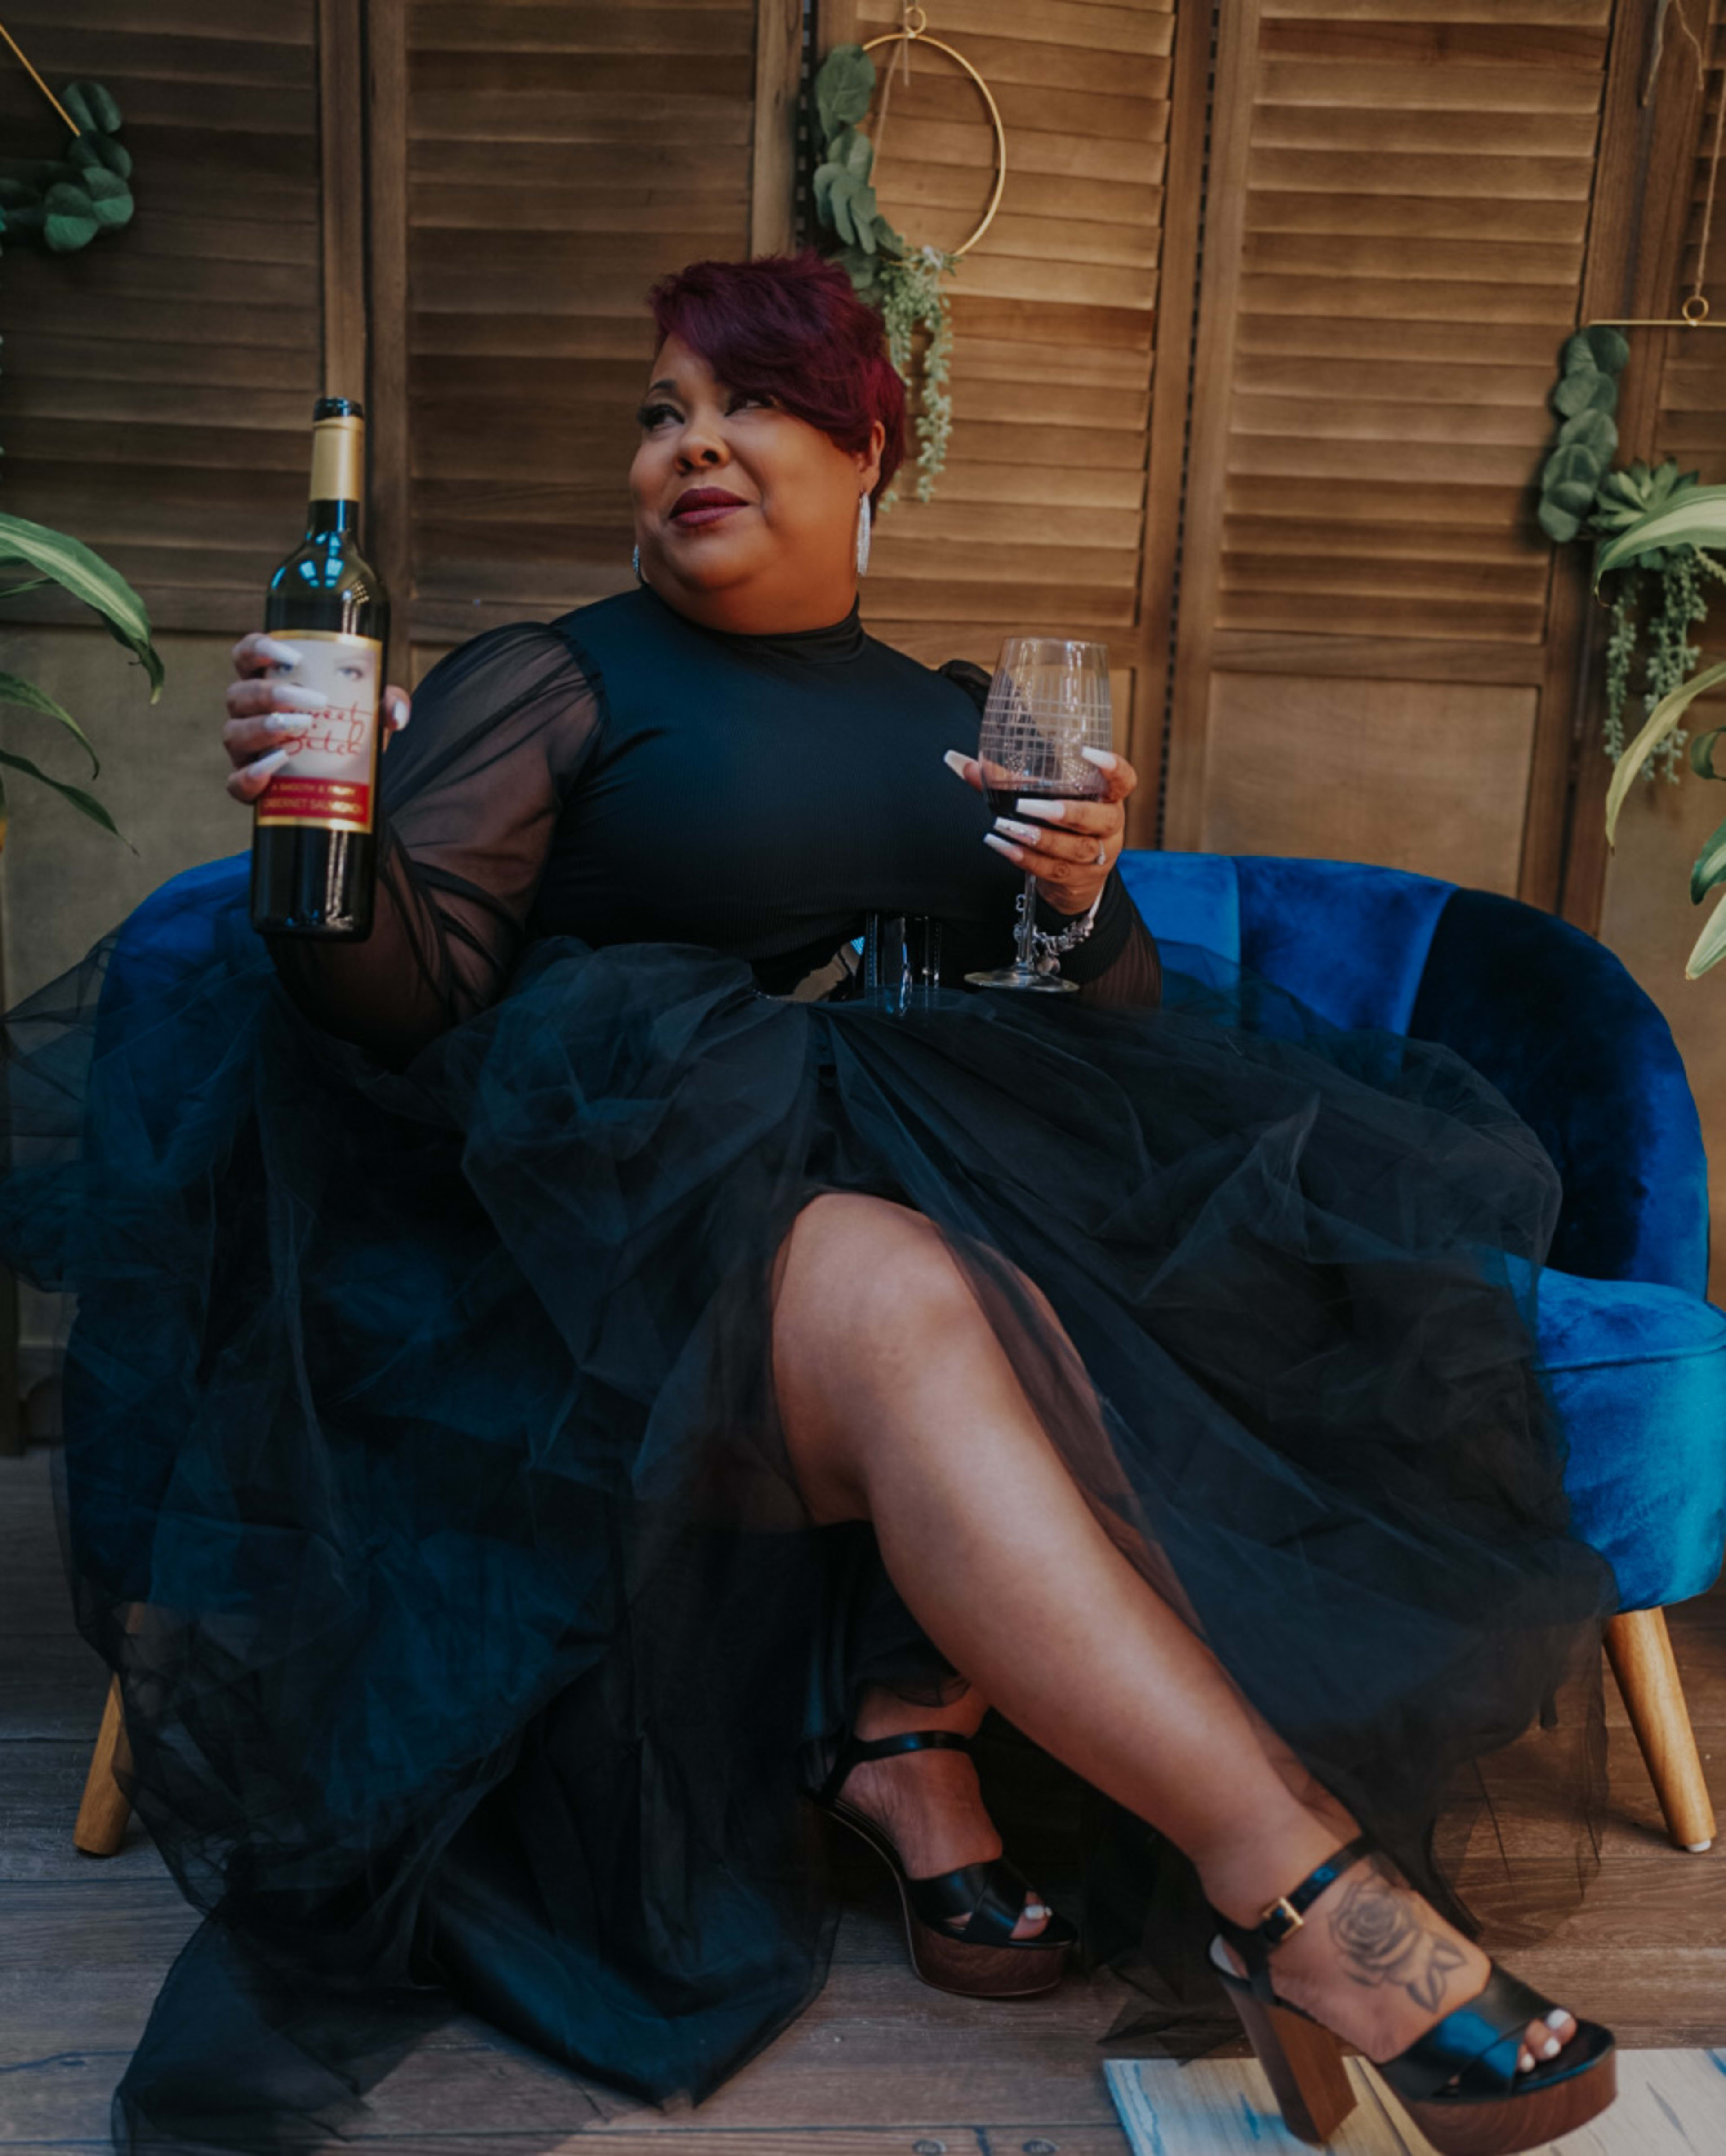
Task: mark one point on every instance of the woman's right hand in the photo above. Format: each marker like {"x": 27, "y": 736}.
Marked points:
{"x": 263, "y": 711}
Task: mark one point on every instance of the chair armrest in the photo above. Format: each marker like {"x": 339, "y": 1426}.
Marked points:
{"x": 1557, "y": 1024}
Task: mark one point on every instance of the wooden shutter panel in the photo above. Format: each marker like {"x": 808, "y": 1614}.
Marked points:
{"x": 1038, "y": 521}
{"x": 1397, "y": 213}
{"x": 559, "y": 159}
{"x": 156, "y": 389}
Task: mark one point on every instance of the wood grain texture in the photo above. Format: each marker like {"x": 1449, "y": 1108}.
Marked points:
{"x": 1336, "y": 761}
{"x": 1416, "y": 191}
{"x": 1057, "y": 313}
{"x": 162, "y": 381}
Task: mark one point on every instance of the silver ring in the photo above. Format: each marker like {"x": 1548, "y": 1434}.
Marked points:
{"x": 1102, "y": 853}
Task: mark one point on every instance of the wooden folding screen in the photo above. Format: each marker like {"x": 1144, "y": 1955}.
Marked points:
{"x": 1062, "y": 335}
{"x": 1397, "y": 213}
{"x": 558, "y": 158}
{"x": 156, "y": 389}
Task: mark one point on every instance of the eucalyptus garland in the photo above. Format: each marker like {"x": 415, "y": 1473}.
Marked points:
{"x": 63, "y": 203}
{"x": 1656, "y": 598}
{"x": 903, "y": 281}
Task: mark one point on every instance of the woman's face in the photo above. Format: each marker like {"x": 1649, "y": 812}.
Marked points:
{"x": 784, "y": 556}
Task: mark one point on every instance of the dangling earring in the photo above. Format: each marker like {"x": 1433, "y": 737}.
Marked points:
{"x": 862, "y": 534}
{"x": 635, "y": 558}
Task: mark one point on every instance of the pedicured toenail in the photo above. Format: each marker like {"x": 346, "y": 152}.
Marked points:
{"x": 1557, "y": 2017}
{"x": 1551, "y": 2048}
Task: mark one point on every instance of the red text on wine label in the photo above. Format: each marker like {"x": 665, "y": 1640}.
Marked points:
{"x": 328, "y": 801}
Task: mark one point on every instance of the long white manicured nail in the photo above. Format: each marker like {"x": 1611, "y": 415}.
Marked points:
{"x": 1000, "y": 845}
{"x": 1015, "y": 831}
{"x": 279, "y": 654}
{"x": 1053, "y": 810}
{"x": 273, "y": 763}
{"x": 1104, "y": 758}
{"x": 296, "y": 699}
{"x": 285, "y": 722}
{"x": 956, "y": 760}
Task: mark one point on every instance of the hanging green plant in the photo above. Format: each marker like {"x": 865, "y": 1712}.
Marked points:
{"x": 906, "y": 282}
{"x": 1657, "y": 595}
{"x": 63, "y": 203}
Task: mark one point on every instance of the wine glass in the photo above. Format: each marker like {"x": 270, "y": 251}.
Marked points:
{"x": 1049, "y": 701}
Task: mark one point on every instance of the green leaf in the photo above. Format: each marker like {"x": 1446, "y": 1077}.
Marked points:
{"x": 855, "y": 152}
{"x": 1666, "y": 716}
{"x": 69, "y": 219}
{"x": 14, "y": 689}
{"x": 92, "y": 107}
{"x": 111, "y": 197}
{"x": 863, "y": 218}
{"x": 93, "y": 150}
{"x": 1559, "y": 524}
{"x": 1575, "y": 495}
{"x": 1694, "y": 518}
{"x": 1580, "y": 390}
{"x": 1710, "y": 945}
{"x": 1611, "y": 351}
{"x": 86, "y": 802}
{"x": 1701, "y": 754}
{"x": 88, "y": 578}
{"x": 1591, "y": 430}
{"x": 1710, "y": 867}
{"x": 845, "y": 89}
{"x": 1575, "y": 464}
{"x": 1577, "y": 356}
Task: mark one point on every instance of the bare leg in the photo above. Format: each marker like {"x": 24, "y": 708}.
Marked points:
{"x": 901, "y": 1408}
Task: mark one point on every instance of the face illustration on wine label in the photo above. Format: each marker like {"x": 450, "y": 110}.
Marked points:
{"x": 330, "y": 778}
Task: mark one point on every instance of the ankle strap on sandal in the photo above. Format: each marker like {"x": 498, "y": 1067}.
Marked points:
{"x": 1286, "y": 1915}
{"x": 854, "y": 1751}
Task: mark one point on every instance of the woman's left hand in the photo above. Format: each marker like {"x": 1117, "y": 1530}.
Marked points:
{"x": 1072, "y": 845}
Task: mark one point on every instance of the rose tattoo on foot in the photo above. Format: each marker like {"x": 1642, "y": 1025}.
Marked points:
{"x": 1378, "y": 1929}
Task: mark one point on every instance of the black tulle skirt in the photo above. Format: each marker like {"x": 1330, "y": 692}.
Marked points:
{"x": 423, "y": 1480}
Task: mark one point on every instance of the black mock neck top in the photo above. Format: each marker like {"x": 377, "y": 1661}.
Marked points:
{"x": 624, "y": 774}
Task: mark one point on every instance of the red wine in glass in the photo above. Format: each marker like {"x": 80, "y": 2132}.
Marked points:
{"x": 1048, "y": 703}
{"x": 1004, "y": 799}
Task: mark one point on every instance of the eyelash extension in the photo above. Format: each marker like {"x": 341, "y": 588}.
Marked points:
{"x": 645, "y": 414}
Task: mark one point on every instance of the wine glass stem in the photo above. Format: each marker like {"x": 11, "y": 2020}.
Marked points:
{"x": 1028, "y": 921}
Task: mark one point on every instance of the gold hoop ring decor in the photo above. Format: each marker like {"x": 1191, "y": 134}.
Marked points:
{"x": 1700, "y": 304}
{"x": 915, "y": 35}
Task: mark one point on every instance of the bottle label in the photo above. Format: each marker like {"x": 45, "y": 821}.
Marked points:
{"x": 328, "y": 778}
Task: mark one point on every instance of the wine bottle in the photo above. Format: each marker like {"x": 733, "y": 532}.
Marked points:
{"x": 314, "y": 842}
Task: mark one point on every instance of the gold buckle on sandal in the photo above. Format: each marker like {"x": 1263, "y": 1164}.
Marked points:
{"x": 1279, "y": 1920}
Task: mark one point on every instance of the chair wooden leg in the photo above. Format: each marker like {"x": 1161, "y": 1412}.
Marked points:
{"x": 103, "y": 1814}
{"x": 1640, "y": 1648}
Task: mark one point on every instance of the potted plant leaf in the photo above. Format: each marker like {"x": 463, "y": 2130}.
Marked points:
{"x": 1696, "y": 519}
{"x": 32, "y": 555}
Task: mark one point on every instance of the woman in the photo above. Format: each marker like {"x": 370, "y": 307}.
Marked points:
{"x": 546, "y": 1394}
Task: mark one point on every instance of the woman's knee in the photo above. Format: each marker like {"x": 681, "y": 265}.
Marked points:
{"x": 864, "y": 1288}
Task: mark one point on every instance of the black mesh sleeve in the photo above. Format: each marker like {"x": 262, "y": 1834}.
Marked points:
{"x": 470, "y": 793}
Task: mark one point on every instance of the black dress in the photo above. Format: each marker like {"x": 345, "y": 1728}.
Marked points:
{"x": 423, "y": 1479}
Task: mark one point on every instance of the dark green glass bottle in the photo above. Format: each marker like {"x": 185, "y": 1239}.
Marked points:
{"x": 313, "y": 844}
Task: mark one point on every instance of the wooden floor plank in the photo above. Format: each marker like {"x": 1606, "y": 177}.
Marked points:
{"x": 879, "y": 2065}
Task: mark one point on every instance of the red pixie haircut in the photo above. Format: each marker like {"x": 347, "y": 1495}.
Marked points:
{"x": 792, "y": 326}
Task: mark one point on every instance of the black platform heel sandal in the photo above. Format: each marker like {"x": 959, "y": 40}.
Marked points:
{"x": 1458, "y": 2083}
{"x": 983, "y": 1960}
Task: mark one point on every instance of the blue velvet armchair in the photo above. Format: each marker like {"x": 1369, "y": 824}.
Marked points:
{"x": 1636, "y": 1355}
